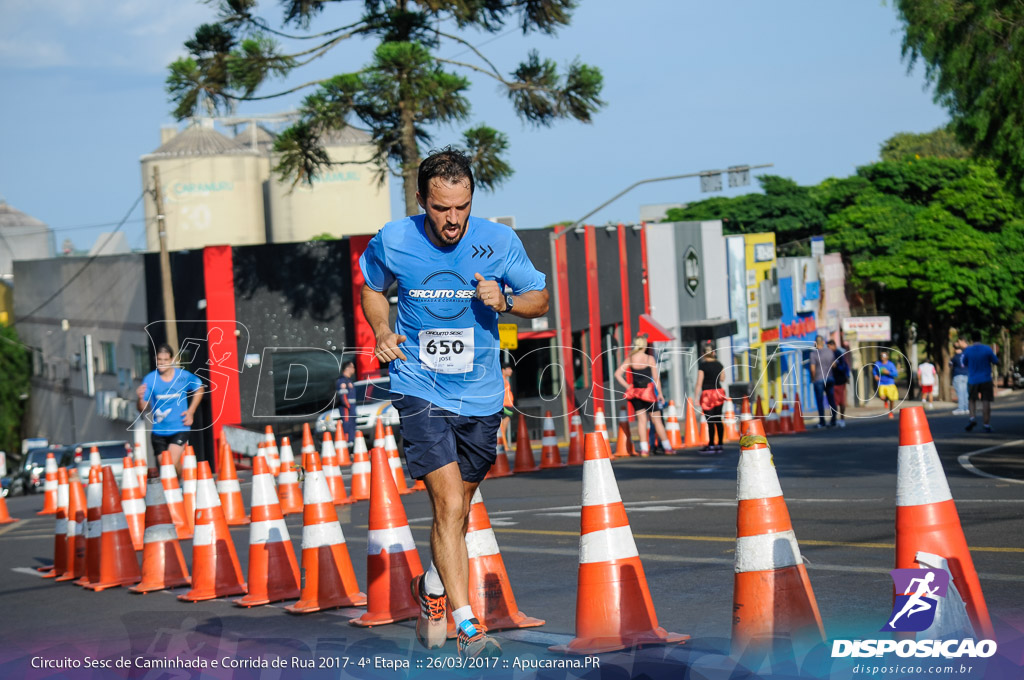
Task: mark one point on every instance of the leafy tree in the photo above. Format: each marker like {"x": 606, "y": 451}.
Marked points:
{"x": 940, "y": 143}
{"x": 404, "y": 93}
{"x": 973, "y": 52}
{"x": 16, "y": 369}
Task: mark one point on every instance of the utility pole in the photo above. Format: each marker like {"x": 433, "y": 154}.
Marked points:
{"x": 165, "y": 265}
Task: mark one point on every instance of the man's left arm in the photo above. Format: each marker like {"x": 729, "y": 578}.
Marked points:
{"x": 197, "y": 396}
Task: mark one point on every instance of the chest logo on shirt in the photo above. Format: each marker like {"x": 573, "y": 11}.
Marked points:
{"x": 482, "y": 252}
{"x": 445, "y": 294}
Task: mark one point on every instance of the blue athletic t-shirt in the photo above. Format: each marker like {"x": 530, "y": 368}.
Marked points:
{"x": 451, "y": 337}
{"x": 890, "y": 377}
{"x": 979, "y": 359}
{"x": 169, "y": 399}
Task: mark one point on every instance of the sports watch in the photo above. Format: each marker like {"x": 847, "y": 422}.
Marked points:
{"x": 508, "y": 304}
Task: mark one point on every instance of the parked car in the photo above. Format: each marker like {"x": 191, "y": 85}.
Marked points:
{"x": 31, "y": 474}
{"x": 373, "y": 403}
{"x": 112, "y": 453}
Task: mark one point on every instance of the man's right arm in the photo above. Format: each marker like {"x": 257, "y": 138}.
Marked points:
{"x": 376, "y": 310}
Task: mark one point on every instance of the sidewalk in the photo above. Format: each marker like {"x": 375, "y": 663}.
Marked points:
{"x": 876, "y": 407}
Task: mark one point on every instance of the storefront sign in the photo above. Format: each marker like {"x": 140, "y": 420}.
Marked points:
{"x": 868, "y": 328}
{"x": 795, "y": 329}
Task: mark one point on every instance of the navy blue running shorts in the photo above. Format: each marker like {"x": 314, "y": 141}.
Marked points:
{"x": 435, "y": 437}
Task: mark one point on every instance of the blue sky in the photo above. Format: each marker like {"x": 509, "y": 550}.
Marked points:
{"x": 813, "y": 87}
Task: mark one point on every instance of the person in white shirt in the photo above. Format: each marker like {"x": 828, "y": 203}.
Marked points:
{"x": 928, "y": 376}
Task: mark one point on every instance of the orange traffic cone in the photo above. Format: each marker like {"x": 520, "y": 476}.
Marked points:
{"x": 378, "y": 435}
{"x": 215, "y": 568}
{"x": 93, "y": 526}
{"x": 524, "y": 449}
{"x": 360, "y": 469}
{"x": 704, "y": 440}
{"x": 624, "y": 442}
{"x": 758, "y": 412}
{"x": 273, "y": 571}
{"x": 391, "y": 557}
{"x": 5, "y": 515}
{"x": 500, "y": 466}
{"x": 798, "y": 415}
{"x": 550, "y": 455}
{"x": 614, "y": 609}
{"x": 288, "y": 492}
{"x": 772, "y": 593}
{"x": 926, "y": 516}
{"x": 50, "y": 487}
{"x": 173, "y": 496}
{"x": 229, "y": 489}
{"x": 118, "y": 564}
{"x": 691, "y": 435}
{"x": 133, "y": 503}
{"x": 163, "y": 564}
{"x": 575, "y": 440}
{"x": 60, "y": 528}
{"x": 273, "y": 457}
{"x": 188, "y": 485}
{"x": 74, "y": 552}
{"x": 328, "y": 578}
{"x": 95, "y": 460}
{"x": 395, "y": 461}
{"x": 332, "y": 472}
{"x": 730, "y": 431}
{"x": 675, "y": 439}
{"x": 771, "y": 421}
{"x": 341, "y": 445}
{"x": 785, "y": 417}
{"x": 601, "y": 427}
{"x": 490, "y": 593}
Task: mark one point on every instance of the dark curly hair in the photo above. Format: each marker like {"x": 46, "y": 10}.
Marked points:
{"x": 449, "y": 164}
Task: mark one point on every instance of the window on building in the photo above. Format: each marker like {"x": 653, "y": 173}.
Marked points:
{"x": 108, "y": 358}
{"x": 140, "y": 362}
{"x": 38, "y": 365}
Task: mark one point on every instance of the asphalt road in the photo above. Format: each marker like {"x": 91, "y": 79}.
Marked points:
{"x": 839, "y": 486}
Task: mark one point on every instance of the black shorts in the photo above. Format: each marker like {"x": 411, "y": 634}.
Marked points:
{"x": 641, "y": 406}
{"x": 435, "y": 437}
{"x": 981, "y": 391}
{"x": 161, "y": 442}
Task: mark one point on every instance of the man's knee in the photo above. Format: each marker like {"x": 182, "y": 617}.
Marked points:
{"x": 450, "y": 510}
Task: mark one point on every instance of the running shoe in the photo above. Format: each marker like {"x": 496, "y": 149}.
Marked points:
{"x": 480, "y": 645}
{"x": 432, "y": 624}
{"x": 988, "y": 429}
{"x": 706, "y": 451}
{"x": 971, "y": 425}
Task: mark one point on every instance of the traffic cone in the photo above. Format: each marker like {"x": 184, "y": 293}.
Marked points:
{"x": 745, "y": 409}
{"x": 704, "y": 439}
{"x": 327, "y": 575}
{"x": 730, "y": 431}
{"x": 550, "y": 455}
{"x": 273, "y": 457}
{"x": 229, "y": 489}
{"x": 378, "y": 435}
{"x": 576, "y": 440}
{"x": 5, "y": 515}
{"x": 163, "y": 564}
{"x": 215, "y": 568}
{"x": 133, "y": 503}
{"x": 758, "y": 412}
{"x": 173, "y": 496}
{"x": 624, "y": 441}
{"x": 360, "y": 469}
{"x": 50, "y": 487}
{"x": 798, "y": 415}
{"x": 60, "y": 528}
{"x": 288, "y": 492}
{"x": 675, "y": 440}
{"x": 118, "y": 564}
{"x": 524, "y": 449}
{"x": 395, "y": 461}
{"x": 93, "y": 527}
{"x": 341, "y": 445}
{"x": 74, "y": 565}
{"x": 601, "y": 427}
{"x": 490, "y": 593}
{"x": 95, "y": 460}
{"x": 772, "y": 595}
{"x": 785, "y": 417}
{"x": 771, "y": 421}
{"x": 141, "y": 462}
{"x": 188, "y": 485}
{"x": 614, "y": 609}
{"x": 273, "y": 571}
{"x": 926, "y": 516}
{"x": 500, "y": 467}
{"x": 332, "y": 472}
{"x": 391, "y": 557}
{"x": 691, "y": 435}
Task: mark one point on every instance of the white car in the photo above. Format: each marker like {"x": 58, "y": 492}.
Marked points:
{"x": 373, "y": 403}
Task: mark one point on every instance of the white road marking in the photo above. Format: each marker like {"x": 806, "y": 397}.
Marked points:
{"x": 965, "y": 462}
{"x": 28, "y": 570}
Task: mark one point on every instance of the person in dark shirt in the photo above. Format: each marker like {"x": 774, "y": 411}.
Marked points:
{"x": 838, "y": 377}
{"x": 345, "y": 390}
{"x": 958, "y": 365}
{"x": 711, "y": 396}
{"x": 980, "y": 359}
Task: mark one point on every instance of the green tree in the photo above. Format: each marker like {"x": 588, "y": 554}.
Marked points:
{"x": 973, "y": 54}
{"x": 16, "y": 369}
{"x": 404, "y": 93}
{"x": 940, "y": 143}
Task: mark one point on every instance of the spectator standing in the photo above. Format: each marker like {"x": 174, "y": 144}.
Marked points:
{"x": 507, "y": 406}
{"x": 980, "y": 359}
{"x": 711, "y": 396}
{"x": 839, "y": 377}
{"x": 821, "y": 359}
{"x": 345, "y": 390}
{"x": 885, "y": 373}
{"x": 928, "y": 377}
{"x": 958, "y": 364}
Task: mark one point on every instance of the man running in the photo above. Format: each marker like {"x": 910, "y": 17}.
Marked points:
{"x": 443, "y": 356}
{"x": 885, "y": 373}
{"x": 979, "y": 359}
{"x": 165, "y": 392}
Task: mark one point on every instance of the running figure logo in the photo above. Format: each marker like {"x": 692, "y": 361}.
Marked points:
{"x": 917, "y": 591}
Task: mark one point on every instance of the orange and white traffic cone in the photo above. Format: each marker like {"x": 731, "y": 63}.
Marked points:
{"x": 704, "y": 439}
{"x": 229, "y": 489}
{"x": 624, "y": 440}
{"x": 500, "y": 468}
{"x": 288, "y": 492}
{"x": 329, "y": 580}
{"x": 785, "y": 417}
{"x": 601, "y": 427}
{"x": 118, "y": 564}
{"x": 675, "y": 439}
{"x": 575, "y": 440}
{"x": 173, "y": 496}
{"x": 188, "y": 485}
{"x": 395, "y": 461}
{"x": 332, "y": 472}
{"x": 273, "y": 457}
{"x": 730, "y": 432}
{"x": 490, "y": 593}
{"x": 614, "y": 609}
{"x": 74, "y": 565}
{"x": 360, "y": 469}
{"x": 163, "y": 564}
{"x": 5, "y": 515}
{"x": 798, "y": 416}
{"x": 133, "y": 503}
{"x": 745, "y": 409}
{"x": 215, "y": 569}
{"x": 691, "y": 435}
{"x": 341, "y": 445}
{"x": 391, "y": 557}
{"x": 95, "y": 460}
{"x": 50, "y": 487}
{"x": 93, "y": 526}
{"x": 758, "y": 414}
{"x": 60, "y": 528}
{"x": 926, "y": 515}
{"x": 772, "y": 593}
{"x": 524, "y": 449}
{"x": 771, "y": 421}
{"x": 551, "y": 457}
{"x": 273, "y": 571}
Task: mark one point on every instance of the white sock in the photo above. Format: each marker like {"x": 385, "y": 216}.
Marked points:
{"x": 462, "y": 615}
{"x": 665, "y": 445}
{"x": 643, "y": 447}
{"x": 432, "y": 582}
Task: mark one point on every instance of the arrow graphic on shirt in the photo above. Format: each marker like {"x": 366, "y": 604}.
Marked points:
{"x": 483, "y": 251}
